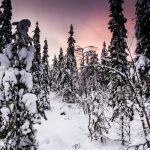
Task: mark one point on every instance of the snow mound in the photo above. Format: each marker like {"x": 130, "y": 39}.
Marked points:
{"x": 30, "y": 102}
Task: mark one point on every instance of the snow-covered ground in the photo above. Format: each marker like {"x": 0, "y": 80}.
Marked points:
{"x": 69, "y": 131}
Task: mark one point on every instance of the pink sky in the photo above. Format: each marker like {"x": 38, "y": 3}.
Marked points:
{"x": 89, "y": 17}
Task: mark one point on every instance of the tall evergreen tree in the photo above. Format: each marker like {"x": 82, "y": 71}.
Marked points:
{"x": 104, "y": 54}
{"x": 45, "y": 53}
{"x": 6, "y": 27}
{"x": 36, "y": 41}
{"x": 45, "y": 85}
{"x": 37, "y": 70}
{"x": 61, "y": 65}
{"x": 142, "y": 62}
{"x": 105, "y": 71}
{"x": 118, "y": 41}
{"x": 54, "y": 74}
{"x": 70, "y": 71}
{"x": 143, "y": 43}
{"x": 18, "y": 103}
{"x": 71, "y": 60}
{"x": 118, "y": 55}
{"x": 37, "y": 60}
{"x": 61, "y": 58}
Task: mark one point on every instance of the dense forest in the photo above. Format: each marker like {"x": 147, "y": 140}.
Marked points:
{"x": 112, "y": 90}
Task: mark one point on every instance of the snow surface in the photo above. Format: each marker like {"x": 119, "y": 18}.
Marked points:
{"x": 69, "y": 131}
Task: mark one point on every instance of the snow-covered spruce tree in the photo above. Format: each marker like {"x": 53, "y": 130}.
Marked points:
{"x": 54, "y": 74}
{"x": 45, "y": 79}
{"x": 18, "y": 104}
{"x": 70, "y": 71}
{"x": 98, "y": 123}
{"x": 37, "y": 60}
{"x": 105, "y": 62}
{"x": 142, "y": 66}
{"x": 118, "y": 87}
{"x": 104, "y": 54}
{"x": 37, "y": 45}
{"x": 71, "y": 59}
{"x": 5, "y": 22}
{"x": 36, "y": 71}
{"x": 143, "y": 44}
{"x": 61, "y": 63}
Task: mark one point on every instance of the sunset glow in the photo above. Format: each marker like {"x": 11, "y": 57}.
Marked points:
{"x": 90, "y": 21}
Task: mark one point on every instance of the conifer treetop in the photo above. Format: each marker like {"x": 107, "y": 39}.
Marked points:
{"x": 61, "y": 50}
{"x": 37, "y": 29}
{"x": 71, "y": 42}
{"x": 71, "y": 30}
{"x": 45, "y": 52}
{"x": 45, "y": 44}
{"x": 61, "y": 54}
{"x": 104, "y": 50}
{"x": 36, "y": 41}
{"x": 55, "y": 62}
